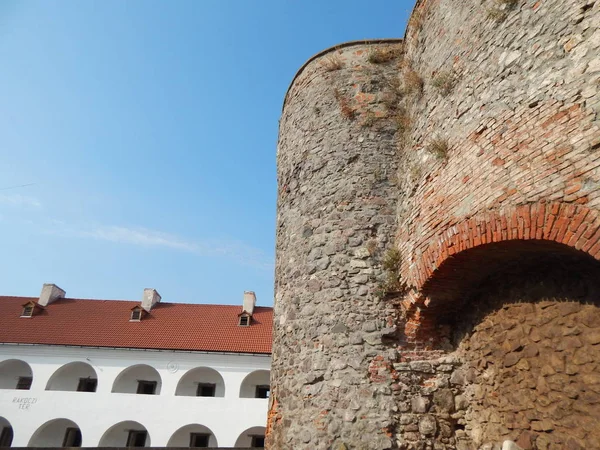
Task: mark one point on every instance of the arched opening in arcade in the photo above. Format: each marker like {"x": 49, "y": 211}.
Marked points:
{"x": 201, "y": 382}
{"x": 138, "y": 379}
{"x": 194, "y": 436}
{"x": 251, "y": 438}
{"x": 126, "y": 434}
{"x": 256, "y": 385}
{"x": 57, "y": 433}
{"x": 76, "y": 376}
{"x": 15, "y": 374}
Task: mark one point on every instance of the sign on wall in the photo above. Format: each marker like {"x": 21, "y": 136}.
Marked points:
{"x": 25, "y": 403}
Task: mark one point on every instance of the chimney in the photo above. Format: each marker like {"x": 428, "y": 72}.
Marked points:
{"x": 249, "y": 302}
{"x": 50, "y": 292}
{"x": 150, "y": 298}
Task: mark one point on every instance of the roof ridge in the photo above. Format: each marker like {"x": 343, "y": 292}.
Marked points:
{"x": 128, "y": 301}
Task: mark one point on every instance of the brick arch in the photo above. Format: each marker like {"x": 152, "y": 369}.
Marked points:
{"x": 466, "y": 253}
{"x": 575, "y": 226}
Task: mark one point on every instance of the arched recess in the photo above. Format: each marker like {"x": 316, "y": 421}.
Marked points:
{"x": 193, "y": 435}
{"x": 201, "y": 382}
{"x": 15, "y": 374}
{"x": 450, "y": 289}
{"x": 126, "y": 434}
{"x": 256, "y": 385}
{"x": 572, "y": 225}
{"x": 521, "y": 321}
{"x": 6, "y": 433}
{"x": 75, "y": 376}
{"x": 251, "y": 438}
{"x": 138, "y": 379}
{"x": 57, "y": 433}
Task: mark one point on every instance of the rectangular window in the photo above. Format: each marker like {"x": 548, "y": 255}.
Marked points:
{"x": 136, "y": 315}
{"x": 262, "y": 391}
{"x": 72, "y": 438}
{"x": 24, "y": 383}
{"x": 146, "y": 387}
{"x": 205, "y": 390}
{"x": 87, "y": 385}
{"x": 136, "y": 438}
{"x": 244, "y": 321}
{"x": 258, "y": 442}
{"x": 199, "y": 440}
{"x": 6, "y": 436}
{"x": 27, "y": 311}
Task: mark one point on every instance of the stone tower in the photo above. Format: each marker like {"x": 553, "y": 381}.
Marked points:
{"x": 438, "y": 235}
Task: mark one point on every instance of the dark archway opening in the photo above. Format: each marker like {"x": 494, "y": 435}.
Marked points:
{"x": 518, "y": 271}
{"x": 524, "y": 318}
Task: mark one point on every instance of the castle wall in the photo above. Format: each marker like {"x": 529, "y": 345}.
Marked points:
{"x": 489, "y": 115}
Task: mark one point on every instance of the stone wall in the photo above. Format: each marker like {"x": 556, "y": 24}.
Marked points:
{"x": 438, "y": 235}
{"x": 335, "y": 220}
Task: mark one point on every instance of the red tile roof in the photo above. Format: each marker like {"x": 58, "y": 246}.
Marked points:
{"x": 105, "y": 323}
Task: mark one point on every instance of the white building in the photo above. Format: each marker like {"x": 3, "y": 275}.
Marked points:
{"x": 96, "y": 373}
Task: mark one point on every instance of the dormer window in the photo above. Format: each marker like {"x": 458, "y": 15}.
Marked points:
{"x": 245, "y": 320}
{"x": 136, "y": 314}
{"x": 28, "y": 309}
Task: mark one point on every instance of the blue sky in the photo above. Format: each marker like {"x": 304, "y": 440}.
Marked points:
{"x": 145, "y": 133}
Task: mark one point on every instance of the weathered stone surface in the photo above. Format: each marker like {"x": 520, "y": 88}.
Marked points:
{"x": 419, "y": 404}
{"x": 510, "y": 445}
{"x": 444, "y": 400}
{"x": 526, "y": 440}
{"x": 427, "y": 425}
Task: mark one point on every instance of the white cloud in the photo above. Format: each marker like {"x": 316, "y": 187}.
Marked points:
{"x": 138, "y": 236}
{"x": 19, "y": 200}
{"x": 238, "y": 251}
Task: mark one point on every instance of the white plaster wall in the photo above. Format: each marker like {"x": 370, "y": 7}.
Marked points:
{"x": 162, "y": 415}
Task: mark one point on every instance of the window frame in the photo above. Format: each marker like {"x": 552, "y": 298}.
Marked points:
{"x": 141, "y": 383}
{"x": 7, "y": 435}
{"x": 133, "y": 435}
{"x": 261, "y": 387}
{"x": 27, "y": 310}
{"x": 24, "y": 381}
{"x": 68, "y": 437}
{"x": 194, "y": 436}
{"x": 206, "y": 385}
{"x": 254, "y": 438}
{"x": 136, "y": 315}
{"x": 88, "y": 380}
{"x": 244, "y": 318}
